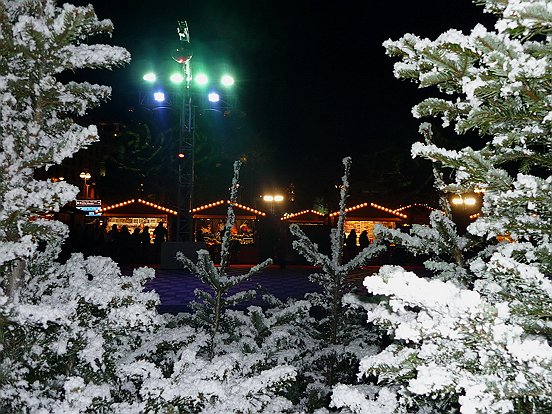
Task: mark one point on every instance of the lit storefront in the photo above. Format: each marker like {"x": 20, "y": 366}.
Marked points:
{"x": 366, "y": 216}
{"x": 137, "y": 213}
{"x": 209, "y": 221}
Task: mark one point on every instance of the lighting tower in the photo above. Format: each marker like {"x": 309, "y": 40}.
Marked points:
{"x": 183, "y": 55}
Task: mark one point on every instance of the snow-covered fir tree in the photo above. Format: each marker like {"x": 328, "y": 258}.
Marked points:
{"x": 478, "y": 342}
{"x": 63, "y": 327}
{"x": 217, "y": 359}
{"x": 211, "y": 304}
{"x": 340, "y": 335}
{"x": 40, "y": 41}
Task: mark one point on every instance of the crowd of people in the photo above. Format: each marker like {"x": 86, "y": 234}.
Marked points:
{"x": 126, "y": 248}
{"x": 352, "y": 248}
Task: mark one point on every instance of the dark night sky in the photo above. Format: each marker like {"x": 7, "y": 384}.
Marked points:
{"x": 312, "y": 78}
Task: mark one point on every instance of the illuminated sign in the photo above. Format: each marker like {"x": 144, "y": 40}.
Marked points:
{"x": 89, "y": 207}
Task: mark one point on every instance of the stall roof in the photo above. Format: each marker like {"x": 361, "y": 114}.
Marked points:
{"x": 417, "y": 212}
{"x": 305, "y": 216}
{"x": 219, "y": 209}
{"x": 372, "y": 211}
{"x": 135, "y": 206}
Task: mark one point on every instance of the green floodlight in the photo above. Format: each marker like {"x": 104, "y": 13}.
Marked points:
{"x": 227, "y": 80}
{"x": 150, "y": 77}
{"x": 202, "y": 79}
{"x": 176, "y": 78}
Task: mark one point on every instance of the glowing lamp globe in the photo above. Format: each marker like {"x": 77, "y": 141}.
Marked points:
{"x": 227, "y": 80}
{"x": 202, "y": 79}
{"x": 176, "y": 78}
{"x": 213, "y": 97}
{"x": 159, "y": 96}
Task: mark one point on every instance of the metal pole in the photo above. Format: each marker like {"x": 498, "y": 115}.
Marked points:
{"x": 186, "y": 140}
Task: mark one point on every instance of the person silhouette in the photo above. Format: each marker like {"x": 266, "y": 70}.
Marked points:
{"x": 125, "y": 246}
{"x": 135, "y": 246}
{"x": 363, "y": 240}
{"x": 159, "y": 237}
{"x": 145, "y": 245}
{"x": 112, "y": 242}
{"x": 159, "y": 234}
{"x": 351, "y": 243}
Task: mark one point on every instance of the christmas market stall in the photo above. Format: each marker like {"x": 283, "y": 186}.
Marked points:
{"x": 365, "y": 216}
{"x": 305, "y": 218}
{"x": 137, "y": 213}
{"x": 208, "y": 224}
{"x": 315, "y": 225}
{"x": 416, "y": 213}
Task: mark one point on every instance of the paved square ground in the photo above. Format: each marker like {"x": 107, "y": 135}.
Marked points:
{"x": 176, "y": 287}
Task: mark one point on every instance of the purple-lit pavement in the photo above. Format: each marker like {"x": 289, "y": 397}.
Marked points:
{"x": 176, "y": 287}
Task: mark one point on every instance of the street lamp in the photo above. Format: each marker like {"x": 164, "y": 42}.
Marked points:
{"x": 85, "y": 176}
{"x": 463, "y": 205}
{"x": 463, "y": 200}
{"x": 272, "y": 198}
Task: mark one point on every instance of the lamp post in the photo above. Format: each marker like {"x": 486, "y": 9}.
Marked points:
{"x": 186, "y": 143}
{"x": 464, "y": 205}
{"x": 272, "y": 198}
{"x": 85, "y": 176}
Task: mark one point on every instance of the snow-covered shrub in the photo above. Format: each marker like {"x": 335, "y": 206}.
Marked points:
{"x": 71, "y": 329}
{"x": 476, "y": 337}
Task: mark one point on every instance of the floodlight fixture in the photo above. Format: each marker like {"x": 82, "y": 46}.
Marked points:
{"x": 202, "y": 79}
{"x": 213, "y": 97}
{"x": 150, "y": 77}
{"x": 159, "y": 96}
{"x": 227, "y": 80}
{"x": 177, "y": 78}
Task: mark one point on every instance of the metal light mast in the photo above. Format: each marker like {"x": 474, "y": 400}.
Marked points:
{"x": 183, "y": 55}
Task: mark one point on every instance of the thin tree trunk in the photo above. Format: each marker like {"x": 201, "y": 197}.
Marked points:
{"x": 15, "y": 279}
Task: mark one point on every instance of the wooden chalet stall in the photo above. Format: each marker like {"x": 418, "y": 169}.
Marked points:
{"x": 365, "y": 216}
{"x": 417, "y": 213}
{"x": 315, "y": 225}
{"x": 210, "y": 220}
{"x": 305, "y": 218}
{"x": 137, "y": 213}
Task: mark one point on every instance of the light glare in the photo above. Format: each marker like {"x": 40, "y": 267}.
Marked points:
{"x": 176, "y": 78}
{"x": 159, "y": 96}
{"x": 202, "y": 79}
{"x": 227, "y": 80}
{"x": 457, "y": 201}
{"x": 150, "y": 77}
{"x": 213, "y": 97}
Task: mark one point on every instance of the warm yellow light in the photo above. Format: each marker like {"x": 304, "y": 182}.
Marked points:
{"x": 268, "y": 198}
{"x": 278, "y": 198}
{"x": 470, "y": 201}
{"x": 457, "y": 201}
